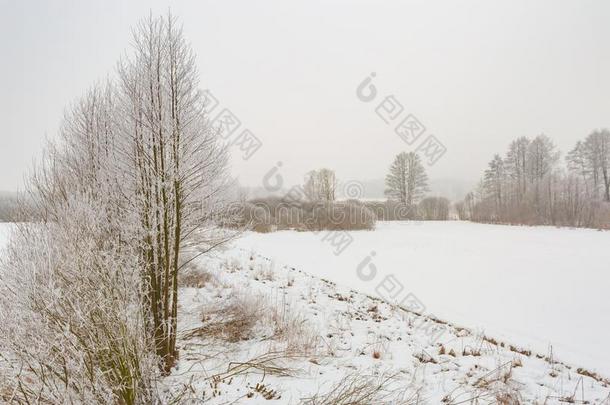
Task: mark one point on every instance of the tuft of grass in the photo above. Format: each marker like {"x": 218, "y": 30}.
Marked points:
{"x": 358, "y": 389}
{"x": 251, "y": 315}
{"x": 516, "y": 349}
{"x": 424, "y": 357}
{"x": 468, "y": 351}
{"x": 194, "y": 278}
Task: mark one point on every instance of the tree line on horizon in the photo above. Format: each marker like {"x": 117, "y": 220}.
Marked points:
{"x": 315, "y": 205}
{"x": 530, "y": 185}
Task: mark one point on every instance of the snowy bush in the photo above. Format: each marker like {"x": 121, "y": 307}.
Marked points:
{"x": 246, "y": 215}
{"x": 71, "y": 323}
{"x": 266, "y": 215}
{"x": 434, "y": 209}
{"x": 349, "y": 215}
{"x": 391, "y": 210}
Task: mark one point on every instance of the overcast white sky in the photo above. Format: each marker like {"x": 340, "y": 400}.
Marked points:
{"x": 476, "y": 73}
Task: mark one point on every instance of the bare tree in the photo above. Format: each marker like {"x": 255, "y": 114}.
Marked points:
{"x": 321, "y": 185}
{"x": 578, "y": 163}
{"x": 597, "y": 155}
{"x": 516, "y": 165}
{"x": 541, "y": 158}
{"x": 527, "y": 187}
{"x": 495, "y": 182}
{"x": 407, "y": 181}
{"x": 175, "y": 164}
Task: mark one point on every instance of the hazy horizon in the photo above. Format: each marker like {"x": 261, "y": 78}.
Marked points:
{"x": 476, "y": 75}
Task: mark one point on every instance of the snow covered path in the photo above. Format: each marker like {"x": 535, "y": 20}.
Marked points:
{"x": 535, "y": 286}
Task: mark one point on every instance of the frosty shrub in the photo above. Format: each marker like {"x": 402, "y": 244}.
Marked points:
{"x": 248, "y": 315}
{"x": 348, "y": 215}
{"x": 290, "y": 218}
{"x": 194, "y": 278}
{"x": 434, "y": 209}
{"x": 391, "y": 210}
{"x": 273, "y": 205}
{"x": 246, "y": 215}
{"x": 71, "y": 323}
{"x": 265, "y": 215}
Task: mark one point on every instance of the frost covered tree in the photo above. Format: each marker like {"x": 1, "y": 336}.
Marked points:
{"x": 590, "y": 160}
{"x": 528, "y": 187}
{"x": 407, "y": 181}
{"x": 135, "y": 176}
{"x": 321, "y": 185}
{"x": 577, "y": 162}
{"x": 597, "y": 155}
{"x": 175, "y": 167}
{"x": 516, "y": 165}
{"x": 494, "y": 180}
{"x": 541, "y": 158}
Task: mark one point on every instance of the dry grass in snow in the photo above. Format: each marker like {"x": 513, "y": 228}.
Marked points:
{"x": 258, "y": 332}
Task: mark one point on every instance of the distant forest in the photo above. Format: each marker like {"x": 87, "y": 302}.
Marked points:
{"x": 531, "y": 185}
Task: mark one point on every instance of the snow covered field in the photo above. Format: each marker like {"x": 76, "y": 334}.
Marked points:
{"x": 253, "y": 331}
{"x": 254, "y": 328}
{"x": 534, "y": 286}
